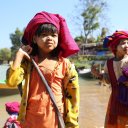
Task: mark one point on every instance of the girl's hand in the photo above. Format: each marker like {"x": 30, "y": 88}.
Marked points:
{"x": 25, "y": 51}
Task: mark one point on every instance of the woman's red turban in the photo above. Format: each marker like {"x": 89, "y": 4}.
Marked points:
{"x": 113, "y": 40}
{"x": 67, "y": 44}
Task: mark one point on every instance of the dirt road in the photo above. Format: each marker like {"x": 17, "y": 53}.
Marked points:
{"x": 93, "y": 103}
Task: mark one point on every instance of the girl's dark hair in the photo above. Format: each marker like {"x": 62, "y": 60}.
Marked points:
{"x": 45, "y": 28}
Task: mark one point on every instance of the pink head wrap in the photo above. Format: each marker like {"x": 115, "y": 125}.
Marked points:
{"x": 67, "y": 44}
{"x": 12, "y": 107}
{"x": 113, "y": 40}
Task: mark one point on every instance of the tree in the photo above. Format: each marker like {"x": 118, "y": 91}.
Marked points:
{"x": 16, "y": 41}
{"x": 103, "y": 32}
{"x": 5, "y": 54}
{"x": 79, "y": 39}
{"x": 91, "y": 14}
{"x": 101, "y": 37}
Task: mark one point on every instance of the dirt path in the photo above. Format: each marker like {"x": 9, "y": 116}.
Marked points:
{"x": 93, "y": 103}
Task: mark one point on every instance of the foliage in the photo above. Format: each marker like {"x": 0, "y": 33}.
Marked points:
{"x": 101, "y": 37}
{"x": 91, "y": 40}
{"x": 103, "y": 32}
{"x": 91, "y": 14}
{"x": 86, "y": 61}
{"x": 15, "y": 40}
{"x": 5, "y": 54}
{"x": 90, "y": 19}
{"x": 79, "y": 39}
{"x": 80, "y": 61}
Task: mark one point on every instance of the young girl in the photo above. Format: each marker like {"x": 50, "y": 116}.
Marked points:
{"x": 48, "y": 41}
{"x": 117, "y": 112}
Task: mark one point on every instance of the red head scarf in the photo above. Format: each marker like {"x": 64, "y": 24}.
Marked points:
{"x": 113, "y": 40}
{"x": 67, "y": 44}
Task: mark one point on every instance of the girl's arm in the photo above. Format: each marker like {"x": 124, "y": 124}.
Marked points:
{"x": 103, "y": 77}
{"x": 72, "y": 98}
{"x": 24, "y": 51}
{"x": 15, "y": 73}
{"x": 14, "y": 76}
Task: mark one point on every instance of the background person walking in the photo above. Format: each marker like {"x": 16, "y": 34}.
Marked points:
{"x": 117, "y": 112}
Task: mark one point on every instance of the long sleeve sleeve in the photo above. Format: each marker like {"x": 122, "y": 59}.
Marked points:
{"x": 72, "y": 98}
{"x": 14, "y": 77}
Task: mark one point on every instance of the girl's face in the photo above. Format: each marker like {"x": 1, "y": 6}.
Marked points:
{"x": 122, "y": 48}
{"x": 46, "y": 42}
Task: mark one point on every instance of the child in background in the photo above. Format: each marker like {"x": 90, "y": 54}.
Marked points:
{"x": 12, "y": 109}
{"x": 117, "y": 112}
{"x": 48, "y": 41}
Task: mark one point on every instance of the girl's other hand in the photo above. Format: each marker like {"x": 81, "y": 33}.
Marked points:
{"x": 95, "y": 72}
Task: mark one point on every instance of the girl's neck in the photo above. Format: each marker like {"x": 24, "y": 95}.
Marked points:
{"x": 43, "y": 56}
{"x": 117, "y": 58}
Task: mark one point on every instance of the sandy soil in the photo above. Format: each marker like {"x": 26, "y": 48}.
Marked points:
{"x": 93, "y": 104}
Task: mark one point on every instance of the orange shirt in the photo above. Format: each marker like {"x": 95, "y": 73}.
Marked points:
{"x": 62, "y": 79}
{"x": 40, "y": 108}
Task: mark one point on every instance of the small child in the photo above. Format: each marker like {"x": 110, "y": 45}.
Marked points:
{"x": 46, "y": 40}
{"x": 114, "y": 70}
{"x": 12, "y": 109}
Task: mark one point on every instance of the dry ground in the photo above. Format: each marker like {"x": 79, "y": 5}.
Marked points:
{"x": 93, "y": 103}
